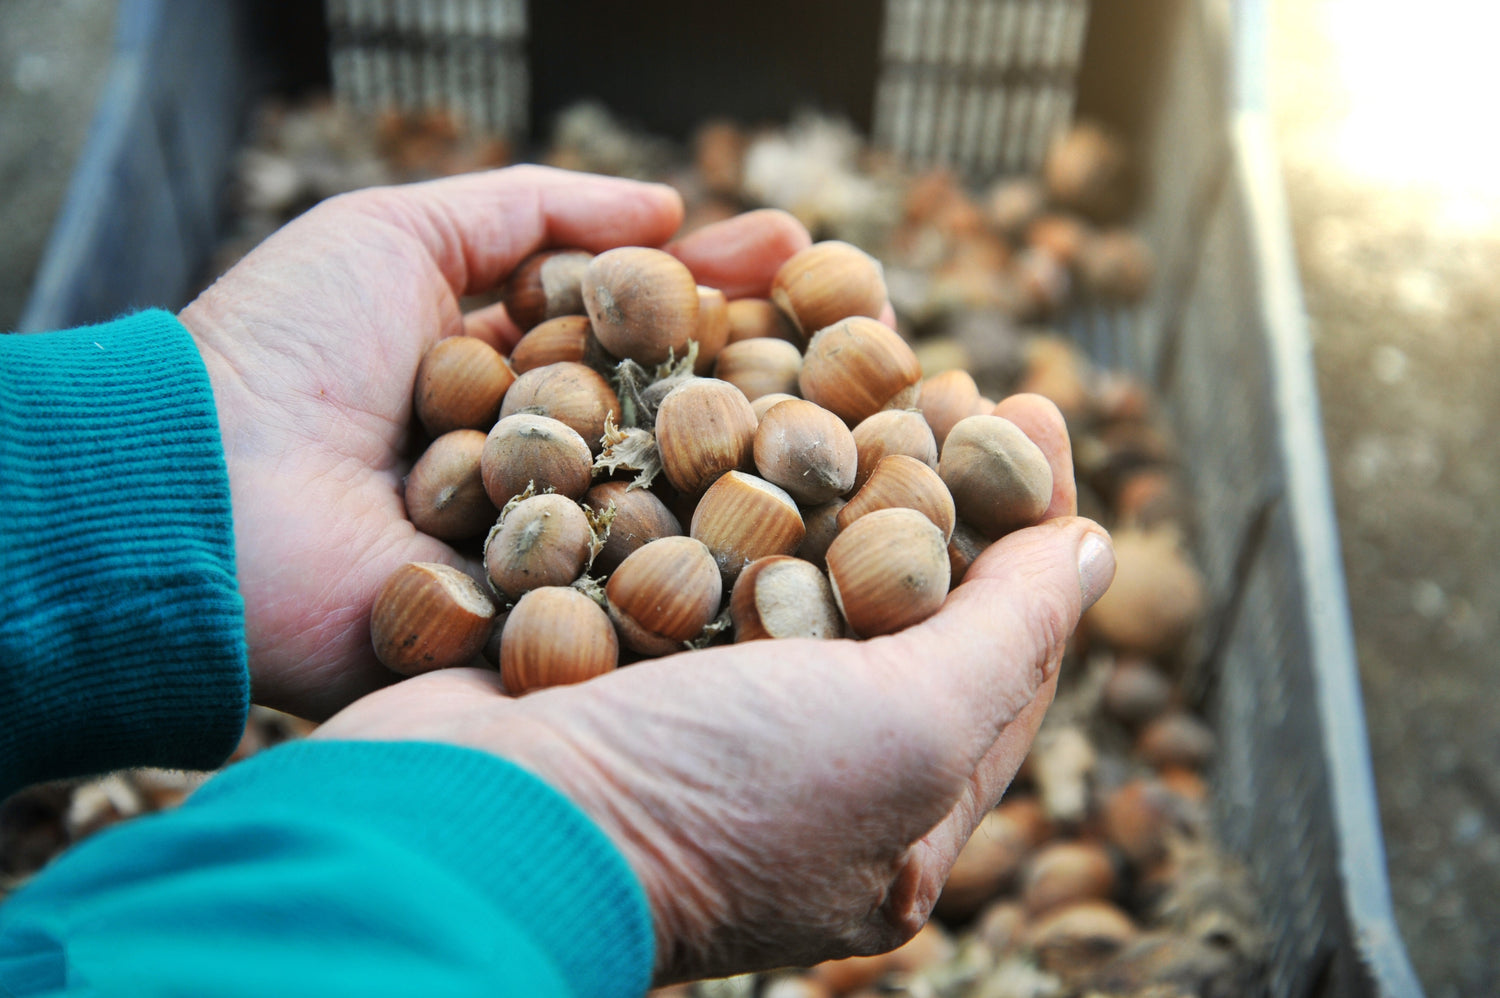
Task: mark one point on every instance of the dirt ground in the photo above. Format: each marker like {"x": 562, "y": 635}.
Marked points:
{"x": 1399, "y": 283}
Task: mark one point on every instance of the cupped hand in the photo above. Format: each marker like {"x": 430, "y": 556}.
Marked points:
{"x": 311, "y": 345}
{"x": 791, "y": 802}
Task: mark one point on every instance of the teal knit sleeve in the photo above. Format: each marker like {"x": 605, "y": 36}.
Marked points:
{"x": 324, "y": 868}
{"x": 121, "y": 625}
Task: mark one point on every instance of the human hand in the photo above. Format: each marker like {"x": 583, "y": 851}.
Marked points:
{"x": 784, "y": 804}
{"x": 312, "y": 344}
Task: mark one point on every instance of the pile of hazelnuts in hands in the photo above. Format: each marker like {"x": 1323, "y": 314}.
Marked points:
{"x": 656, "y": 468}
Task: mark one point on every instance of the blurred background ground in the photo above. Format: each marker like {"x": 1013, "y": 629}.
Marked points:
{"x": 1394, "y": 193}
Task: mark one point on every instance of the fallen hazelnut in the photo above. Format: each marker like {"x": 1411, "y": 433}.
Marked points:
{"x": 429, "y": 616}
{"x": 555, "y": 636}
{"x": 460, "y": 384}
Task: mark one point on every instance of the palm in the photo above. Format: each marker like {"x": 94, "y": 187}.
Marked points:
{"x": 312, "y": 344}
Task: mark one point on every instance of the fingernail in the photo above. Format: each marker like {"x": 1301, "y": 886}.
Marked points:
{"x": 1096, "y": 567}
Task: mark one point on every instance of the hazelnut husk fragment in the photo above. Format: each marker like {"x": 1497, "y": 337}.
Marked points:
{"x": 889, "y": 570}
{"x": 429, "y": 616}
{"x": 826, "y": 282}
{"x": 569, "y": 392}
{"x": 664, "y": 594}
{"x": 858, "y": 366}
{"x": 527, "y": 449}
{"x": 643, "y": 303}
{"x": 444, "y": 491}
{"x": 783, "y": 597}
{"x": 544, "y": 286}
{"x": 1000, "y": 480}
{"x": 460, "y": 384}
{"x": 807, "y": 450}
{"x": 555, "y": 636}
{"x": 545, "y": 540}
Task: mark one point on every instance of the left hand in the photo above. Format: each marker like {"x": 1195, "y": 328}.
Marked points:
{"x": 312, "y": 344}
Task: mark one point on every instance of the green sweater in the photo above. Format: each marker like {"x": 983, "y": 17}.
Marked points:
{"x": 314, "y": 868}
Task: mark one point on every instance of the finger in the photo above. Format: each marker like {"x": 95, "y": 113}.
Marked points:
{"x": 1041, "y": 420}
{"x": 741, "y": 255}
{"x": 477, "y": 227}
{"x": 1001, "y": 634}
{"x": 493, "y": 324}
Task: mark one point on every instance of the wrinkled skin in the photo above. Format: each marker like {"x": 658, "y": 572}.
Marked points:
{"x": 780, "y": 805}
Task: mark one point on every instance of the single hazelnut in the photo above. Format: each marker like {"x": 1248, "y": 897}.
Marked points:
{"x": 856, "y": 367}
{"x": 899, "y": 481}
{"x": 1011, "y": 205}
{"x": 822, "y": 526}
{"x": 444, "y": 491}
{"x": 664, "y": 594}
{"x": 753, "y": 318}
{"x": 741, "y": 518}
{"x": 990, "y": 860}
{"x": 713, "y": 328}
{"x": 565, "y": 338}
{"x": 1065, "y": 872}
{"x": 460, "y": 384}
{"x": 573, "y": 393}
{"x": 964, "y": 548}
{"x": 544, "y": 286}
{"x": 760, "y": 367}
{"x": 1000, "y": 480}
{"x": 827, "y": 282}
{"x": 704, "y": 428}
{"x": 762, "y": 405}
{"x": 639, "y": 518}
{"x": 807, "y": 450}
{"x": 893, "y": 431}
{"x": 889, "y": 570}
{"x": 1178, "y": 740}
{"x": 429, "y": 616}
{"x": 545, "y": 540}
{"x": 555, "y": 636}
{"x": 527, "y": 449}
{"x": 1136, "y": 691}
{"x": 643, "y": 303}
{"x": 1116, "y": 266}
{"x": 947, "y": 398}
{"x": 1156, "y": 599}
{"x": 1087, "y": 169}
{"x": 783, "y": 597}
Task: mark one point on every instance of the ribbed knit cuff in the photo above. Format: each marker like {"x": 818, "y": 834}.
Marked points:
{"x": 121, "y": 625}
{"x": 517, "y": 841}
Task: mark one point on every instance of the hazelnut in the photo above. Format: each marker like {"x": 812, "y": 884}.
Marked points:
{"x": 460, "y": 384}
{"x": 964, "y": 547}
{"x": 1136, "y": 691}
{"x": 1177, "y": 740}
{"x": 857, "y": 367}
{"x": 704, "y": 428}
{"x": 526, "y": 449}
{"x": 999, "y": 478}
{"x": 1061, "y": 237}
{"x": 889, "y": 570}
{"x": 444, "y": 490}
{"x": 893, "y": 431}
{"x": 640, "y": 517}
{"x": 1156, "y": 598}
{"x": 545, "y": 540}
{"x": 555, "y": 636}
{"x": 741, "y": 518}
{"x": 565, "y": 338}
{"x": 822, "y": 526}
{"x": 544, "y": 286}
{"x": 429, "y": 616}
{"x": 752, "y": 318}
{"x": 664, "y": 594}
{"x": 991, "y": 858}
{"x": 570, "y": 392}
{"x": 1116, "y": 266}
{"x": 713, "y": 328}
{"x": 783, "y": 597}
{"x": 827, "y": 282}
{"x": 1087, "y": 169}
{"x": 1056, "y": 370}
{"x": 1086, "y": 927}
{"x": 947, "y": 398}
{"x": 760, "y": 367}
{"x": 762, "y": 405}
{"x": 899, "y": 481}
{"x": 807, "y": 450}
{"x": 1012, "y": 204}
{"x": 1064, "y": 872}
{"x": 643, "y": 303}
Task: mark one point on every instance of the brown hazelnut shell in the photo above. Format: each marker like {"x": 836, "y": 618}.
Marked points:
{"x": 444, "y": 491}
{"x": 528, "y": 449}
{"x": 807, "y": 450}
{"x": 704, "y": 428}
{"x": 664, "y": 594}
{"x": 460, "y": 384}
{"x": 572, "y": 393}
{"x": 429, "y": 616}
{"x": 889, "y": 570}
{"x": 555, "y": 636}
{"x": 643, "y": 303}
{"x": 856, "y": 367}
